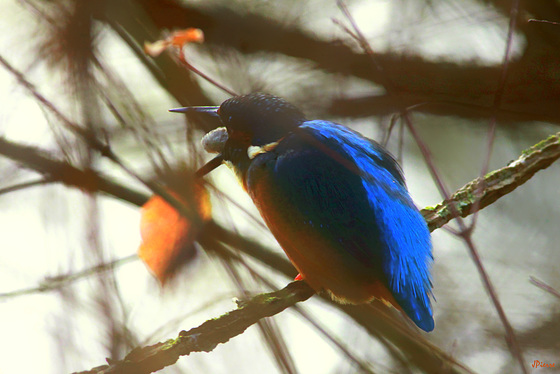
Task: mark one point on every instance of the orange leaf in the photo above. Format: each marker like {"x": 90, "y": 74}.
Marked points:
{"x": 190, "y": 35}
{"x": 178, "y": 39}
{"x": 168, "y": 237}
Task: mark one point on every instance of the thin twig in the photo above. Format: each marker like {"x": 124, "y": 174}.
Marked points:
{"x": 466, "y": 232}
{"x": 540, "y": 284}
{"x": 54, "y": 283}
{"x": 497, "y": 101}
{"x": 204, "y": 76}
{"x": 22, "y": 186}
{"x": 544, "y": 21}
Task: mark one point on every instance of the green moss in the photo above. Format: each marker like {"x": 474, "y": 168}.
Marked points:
{"x": 471, "y": 198}
{"x": 540, "y": 145}
{"x": 266, "y": 299}
{"x": 169, "y": 344}
{"x": 492, "y": 173}
{"x": 443, "y": 213}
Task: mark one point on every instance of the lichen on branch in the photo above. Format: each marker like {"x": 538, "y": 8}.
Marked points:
{"x": 482, "y": 192}
{"x": 207, "y": 336}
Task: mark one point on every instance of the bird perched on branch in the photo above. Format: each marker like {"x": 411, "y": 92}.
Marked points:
{"x": 336, "y": 202}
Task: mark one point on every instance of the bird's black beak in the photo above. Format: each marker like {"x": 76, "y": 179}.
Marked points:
{"x": 212, "y": 111}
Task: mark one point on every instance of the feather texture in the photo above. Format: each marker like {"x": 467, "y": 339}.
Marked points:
{"x": 338, "y": 205}
{"x": 336, "y": 202}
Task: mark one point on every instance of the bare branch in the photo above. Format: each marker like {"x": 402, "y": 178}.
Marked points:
{"x": 61, "y": 171}
{"x": 540, "y": 284}
{"x": 53, "y": 283}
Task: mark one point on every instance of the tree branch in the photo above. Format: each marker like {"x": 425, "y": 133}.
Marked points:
{"x": 386, "y": 105}
{"x": 495, "y": 184}
{"x": 135, "y": 26}
{"x": 61, "y": 171}
{"x": 207, "y": 336}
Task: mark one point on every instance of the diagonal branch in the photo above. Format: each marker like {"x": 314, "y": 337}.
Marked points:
{"x": 496, "y": 184}
{"x": 207, "y": 336}
{"x": 61, "y": 171}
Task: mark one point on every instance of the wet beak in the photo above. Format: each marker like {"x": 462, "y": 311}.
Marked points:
{"x": 213, "y": 142}
{"x": 210, "y": 110}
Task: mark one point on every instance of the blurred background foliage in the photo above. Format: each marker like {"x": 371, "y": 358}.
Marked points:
{"x": 73, "y": 291}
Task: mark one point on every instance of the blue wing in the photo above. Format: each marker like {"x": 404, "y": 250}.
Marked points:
{"x": 352, "y": 192}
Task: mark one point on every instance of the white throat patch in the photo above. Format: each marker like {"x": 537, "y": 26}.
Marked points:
{"x": 254, "y": 150}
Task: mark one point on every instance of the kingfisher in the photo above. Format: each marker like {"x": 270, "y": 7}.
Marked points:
{"x": 335, "y": 201}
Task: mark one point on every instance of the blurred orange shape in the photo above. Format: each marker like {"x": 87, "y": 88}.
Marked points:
{"x": 178, "y": 39}
{"x": 190, "y": 35}
{"x": 168, "y": 237}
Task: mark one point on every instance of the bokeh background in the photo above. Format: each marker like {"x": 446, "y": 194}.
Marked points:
{"x": 60, "y": 311}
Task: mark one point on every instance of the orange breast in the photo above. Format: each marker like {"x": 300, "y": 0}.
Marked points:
{"x": 324, "y": 266}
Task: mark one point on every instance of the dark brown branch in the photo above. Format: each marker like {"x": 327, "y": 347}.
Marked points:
{"x": 61, "y": 171}
{"x": 387, "y": 105}
{"x": 207, "y": 336}
{"x": 530, "y": 93}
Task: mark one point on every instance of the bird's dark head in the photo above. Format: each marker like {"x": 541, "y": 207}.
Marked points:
{"x": 258, "y": 118}
{"x": 254, "y": 123}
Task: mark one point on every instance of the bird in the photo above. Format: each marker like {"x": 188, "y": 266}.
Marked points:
{"x": 336, "y": 202}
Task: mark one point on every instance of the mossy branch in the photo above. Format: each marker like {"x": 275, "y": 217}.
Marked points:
{"x": 207, "y": 336}
{"x": 482, "y": 192}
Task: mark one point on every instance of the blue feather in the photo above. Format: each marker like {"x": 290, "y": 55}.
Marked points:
{"x": 351, "y": 191}
{"x": 406, "y": 238}
{"x": 336, "y": 202}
